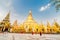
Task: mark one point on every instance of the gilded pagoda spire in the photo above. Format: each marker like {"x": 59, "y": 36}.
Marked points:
{"x": 7, "y": 18}
{"x": 56, "y": 23}
{"x": 30, "y": 23}
{"x": 42, "y": 24}
{"x": 8, "y": 15}
{"x": 48, "y": 24}
{"x": 15, "y": 24}
{"x": 6, "y": 22}
{"x": 30, "y": 16}
{"x": 30, "y": 19}
{"x": 48, "y": 27}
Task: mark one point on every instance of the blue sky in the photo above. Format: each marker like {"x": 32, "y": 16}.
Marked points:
{"x": 42, "y": 10}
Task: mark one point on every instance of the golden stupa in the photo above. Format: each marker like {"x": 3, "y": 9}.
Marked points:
{"x": 42, "y": 28}
{"x": 55, "y": 27}
{"x": 30, "y": 24}
{"x": 15, "y": 27}
{"x": 5, "y": 23}
{"x": 49, "y": 30}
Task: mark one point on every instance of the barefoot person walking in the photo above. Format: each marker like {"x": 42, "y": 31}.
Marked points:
{"x": 40, "y": 33}
{"x": 32, "y": 33}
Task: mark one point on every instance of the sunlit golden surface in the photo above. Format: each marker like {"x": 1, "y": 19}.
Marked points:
{"x": 28, "y": 26}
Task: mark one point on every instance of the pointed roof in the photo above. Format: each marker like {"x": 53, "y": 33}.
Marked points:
{"x": 42, "y": 25}
{"x": 30, "y": 16}
{"x": 6, "y": 21}
{"x": 7, "y": 17}
{"x": 15, "y": 23}
{"x": 48, "y": 24}
{"x": 30, "y": 19}
{"x": 56, "y": 23}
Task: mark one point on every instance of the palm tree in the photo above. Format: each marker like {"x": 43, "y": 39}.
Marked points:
{"x": 56, "y": 3}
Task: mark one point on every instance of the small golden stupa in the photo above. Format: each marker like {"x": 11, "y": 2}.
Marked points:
{"x": 15, "y": 27}
{"x": 28, "y": 26}
{"x": 5, "y": 23}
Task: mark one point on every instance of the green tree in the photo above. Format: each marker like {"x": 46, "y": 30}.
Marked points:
{"x": 56, "y": 3}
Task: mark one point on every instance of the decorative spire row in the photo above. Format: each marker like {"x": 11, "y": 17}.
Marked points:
{"x": 28, "y": 26}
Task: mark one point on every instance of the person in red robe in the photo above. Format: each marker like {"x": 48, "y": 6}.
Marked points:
{"x": 32, "y": 33}
{"x": 40, "y": 33}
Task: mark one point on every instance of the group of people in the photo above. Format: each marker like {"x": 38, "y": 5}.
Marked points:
{"x": 39, "y": 33}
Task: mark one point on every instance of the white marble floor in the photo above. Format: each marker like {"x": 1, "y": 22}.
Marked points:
{"x": 17, "y": 36}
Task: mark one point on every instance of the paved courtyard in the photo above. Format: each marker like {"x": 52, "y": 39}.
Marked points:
{"x": 17, "y": 36}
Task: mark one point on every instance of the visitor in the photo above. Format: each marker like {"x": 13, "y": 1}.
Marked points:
{"x": 40, "y": 33}
{"x": 32, "y": 33}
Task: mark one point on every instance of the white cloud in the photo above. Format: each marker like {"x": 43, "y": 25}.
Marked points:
{"x": 45, "y": 7}
{"x": 7, "y": 3}
{"x": 5, "y": 6}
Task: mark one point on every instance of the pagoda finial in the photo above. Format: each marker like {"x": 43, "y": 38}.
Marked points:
{"x": 7, "y": 16}
{"x": 15, "y": 22}
{"x": 55, "y": 20}
{"x": 48, "y": 22}
{"x": 30, "y": 11}
{"x": 30, "y": 15}
{"x": 41, "y": 22}
{"x": 9, "y": 12}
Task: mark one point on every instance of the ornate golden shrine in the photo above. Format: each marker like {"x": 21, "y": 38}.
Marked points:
{"x": 28, "y": 26}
